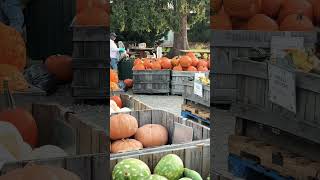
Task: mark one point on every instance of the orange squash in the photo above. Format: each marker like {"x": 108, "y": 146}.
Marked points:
{"x": 147, "y": 63}
{"x": 12, "y": 47}
{"x": 202, "y": 69}
{"x": 156, "y": 65}
{"x": 128, "y": 83}
{"x": 177, "y": 68}
{"x": 297, "y": 22}
{"x": 203, "y": 63}
{"x": 114, "y": 76}
{"x": 20, "y": 118}
{"x": 60, "y": 66}
{"x": 118, "y": 101}
{"x": 137, "y": 61}
{"x": 242, "y": 9}
{"x": 175, "y": 61}
{"x": 125, "y": 145}
{"x": 92, "y": 16}
{"x": 114, "y": 86}
{"x": 185, "y": 61}
{"x": 139, "y": 67}
{"x": 122, "y": 126}
{"x": 221, "y": 21}
{"x": 261, "y": 22}
{"x": 166, "y": 63}
{"x": 192, "y": 69}
{"x": 152, "y": 135}
{"x": 290, "y": 7}
{"x": 271, "y": 7}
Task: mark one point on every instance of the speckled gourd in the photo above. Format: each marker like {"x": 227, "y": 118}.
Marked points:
{"x": 156, "y": 177}
{"x": 170, "y": 166}
{"x": 130, "y": 169}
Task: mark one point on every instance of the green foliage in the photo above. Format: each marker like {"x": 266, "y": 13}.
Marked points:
{"x": 148, "y": 20}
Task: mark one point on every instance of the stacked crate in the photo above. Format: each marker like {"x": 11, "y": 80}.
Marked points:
{"x": 177, "y": 81}
{"x": 240, "y": 76}
{"x": 151, "y": 82}
{"x": 90, "y": 56}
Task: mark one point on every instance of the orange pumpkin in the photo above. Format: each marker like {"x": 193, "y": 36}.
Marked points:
{"x": 242, "y": 9}
{"x": 12, "y": 47}
{"x": 290, "y": 7}
{"x": 185, "y": 61}
{"x": 147, "y": 64}
{"x": 203, "y": 63}
{"x": 60, "y": 66}
{"x": 122, "y": 126}
{"x": 37, "y": 172}
{"x": 83, "y": 4}
{"x": 125, "y": 145}
{"x": 166, "y": 63}
{"x": 221, "y": 21}
{"x": 114, "y": 76}
{"x": 128, "y": 83}
{"x": 20, "y": 118}
{"x": 261, "y": 22}
{"x": 156, "y": 65}
{"x": 271, "y": 7}
{"x": 202, "y": 69}
{"x": 296, "y": 22}
{"x": 175, "y": 61}
{"x": 177, "y": 68}
{"x": 137, "y": 61}
{"x": 93, "y": 16}
{"x": 139, "y": 67}
{"x": 152, "y": 135}
{"x": 192, "y": 69}
{"x": 118, "y": 101}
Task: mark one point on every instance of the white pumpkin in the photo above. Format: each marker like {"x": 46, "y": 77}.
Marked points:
{"x": 47, "y": 151}
{"x": 125, "y": 109}
{"x": 114, "y": 106}
{"x": 5, "y": 156}
{"x": 26, "y": 149}
{"x": 10, "y": 138}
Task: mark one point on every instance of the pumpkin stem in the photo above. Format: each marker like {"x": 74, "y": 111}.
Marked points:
{"x": 8, "y": 99}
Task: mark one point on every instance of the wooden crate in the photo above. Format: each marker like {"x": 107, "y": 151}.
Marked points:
{"x": 195, "y": 156}
{"x": 89, "y": 78}
{"x": 60, "y": 127}
{"x": 151, "y": 82}
{"x": 227, "y": 45}
{"x": 252, "y": 100}
{"x": 167, "y": 120}
{"x": 177, "y": 79}
{"x": 133, "y": 103}
{"x": 188, "y": 94}
{"x": 274, "y": 158}
{"x": 99, "y": 166}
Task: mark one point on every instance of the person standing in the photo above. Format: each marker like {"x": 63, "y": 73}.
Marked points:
{"x": 114, "y": 52}
{"x": 11, "y": 13}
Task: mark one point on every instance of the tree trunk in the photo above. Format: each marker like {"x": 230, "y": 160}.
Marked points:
{"x": 180, "y": 41}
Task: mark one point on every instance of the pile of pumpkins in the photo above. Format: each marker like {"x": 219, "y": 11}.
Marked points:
{"x": 127, "y": 136}
{"x": 114, "y": 80}
{"x": 265, "y": 15}
{"x": 14, "y": 59}
{"x": 92, "y": 13}
{"x": 116, "y": 105}
{"x": 188, "y": 62}
{"x": 19, "y": 134}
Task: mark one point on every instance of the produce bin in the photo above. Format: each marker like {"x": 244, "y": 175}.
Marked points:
{"x": 189, "y": 95}
{"x": 227, "y": 45}
{"x": 177, "y": 79}
{"x": 151, "y": 82}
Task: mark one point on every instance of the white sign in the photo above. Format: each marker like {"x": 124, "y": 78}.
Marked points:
{"x": 198, "y": 87}
{"x": 279, "y": 44}
{"x": 282, "y": 87}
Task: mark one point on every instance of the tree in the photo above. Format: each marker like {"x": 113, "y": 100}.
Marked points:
{"x": 159, "y": 16}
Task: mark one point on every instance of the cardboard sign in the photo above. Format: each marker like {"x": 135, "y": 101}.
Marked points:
{"x": 282, "y": 86}
{"x": 198, "y": 86}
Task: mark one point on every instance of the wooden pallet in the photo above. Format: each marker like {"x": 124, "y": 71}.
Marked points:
{"x": 197, "y": 110}
{"x": 285, "y": 163}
